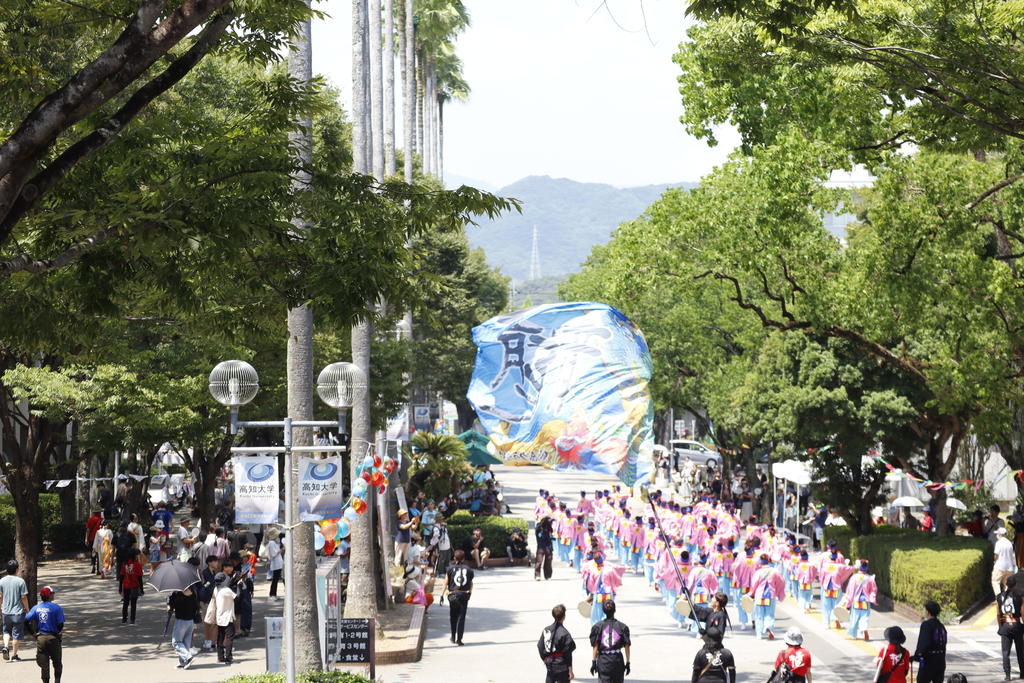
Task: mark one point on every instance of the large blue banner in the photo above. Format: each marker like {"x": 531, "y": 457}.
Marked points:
{"x": 566, "y": 385}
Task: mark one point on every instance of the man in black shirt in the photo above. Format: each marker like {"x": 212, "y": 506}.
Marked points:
{"x": 106, "y": 500}
{"x": 1011, "y": 632}
{"x": 556, "y": 647}
{"x": 544, "y": 549}
{"x": 608, "y": 638}
{"x": 475, "y": 548}
{"x": 714, "y": 663}
{"x": 460, "y": 588}
{"x": 931, "y": 646}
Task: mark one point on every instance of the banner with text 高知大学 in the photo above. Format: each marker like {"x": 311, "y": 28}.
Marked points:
{"x": 566, "y": 385}
{"x": 256, "y": 492}
{"x": 320, "y": 492}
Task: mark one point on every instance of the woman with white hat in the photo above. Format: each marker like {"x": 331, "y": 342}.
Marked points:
{"x": 794, "y": 659}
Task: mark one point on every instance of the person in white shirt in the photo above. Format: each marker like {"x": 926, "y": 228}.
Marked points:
{"x": 135, "y": 528}
{"x": 1005, "y": 564}
{"x": 221, "y": 612}
{"x": 442, "y": 543}
{"x": 184, "y": 531}
{"x": 275, "y": 558}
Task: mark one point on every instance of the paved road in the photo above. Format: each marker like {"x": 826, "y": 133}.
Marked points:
{"x": 509, "y": 608}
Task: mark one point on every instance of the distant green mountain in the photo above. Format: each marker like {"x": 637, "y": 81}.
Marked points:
{"x": 571, "y": 218}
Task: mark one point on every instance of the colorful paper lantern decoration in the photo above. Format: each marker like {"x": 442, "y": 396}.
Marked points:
{"x": 367, "y": 462}
{"x": 359, "y": 505}
{"x": 382, "y": 489}
{"x": 359, "y": 487}
{"x": 351, "y": 514}
{"x": 318, "y": 540}
{"x": 377, "y": 478}
{"x": 377, "y": 461}
{"x": 343, "y": 529}
{"x": 366, "y": 476}
{"x": 329, "y": 529}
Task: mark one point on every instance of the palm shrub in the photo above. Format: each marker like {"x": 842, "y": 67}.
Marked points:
{"x": 439, "y": 464}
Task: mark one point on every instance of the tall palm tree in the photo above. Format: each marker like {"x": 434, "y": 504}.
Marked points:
{"x": 408, "y": 42}
{"x": 388, "y": 57}
{"x": 451, "y": 85}
{"x": 376, "y": 88}
{"x": 437, "y": 22}
{"x": 362, "y": 596}
{"x": 304, "y": 649}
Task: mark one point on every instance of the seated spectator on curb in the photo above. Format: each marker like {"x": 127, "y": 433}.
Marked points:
{"x": 476, "y": 548}
{"x": 516, "y": 549}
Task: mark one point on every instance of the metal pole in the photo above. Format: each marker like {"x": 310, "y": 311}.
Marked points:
{"x": 289, "y": 561}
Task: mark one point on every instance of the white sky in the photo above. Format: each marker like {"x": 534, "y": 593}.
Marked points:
{"x": 556, "y": 92}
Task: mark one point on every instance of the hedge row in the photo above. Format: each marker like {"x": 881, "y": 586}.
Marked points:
{"x": 913, "y": 566}
{"x": 62, "y": 536}
{"x": 303, "y": 677}
{"x": 496, "y": 530}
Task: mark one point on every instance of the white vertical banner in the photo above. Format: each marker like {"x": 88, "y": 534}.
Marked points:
{"x": 320, "y": 494}
{"x": 256, "y": 496}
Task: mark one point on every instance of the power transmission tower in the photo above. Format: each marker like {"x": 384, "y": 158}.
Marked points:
{"x": 535, "y": 257}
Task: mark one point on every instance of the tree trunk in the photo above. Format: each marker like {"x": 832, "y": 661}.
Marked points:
{"x": 300, "y": 407}
{"x": 376, "y": 89}
{"x": 362, "y": 592}
{"x": 360, "y": 133}
{"x": 409, "y": 61}
{"x": 206, "y": 494}
{"x": 388, "y": 55}
{"x": 421, "y": 107}
{"x": 28, "y": 523}
{"x": 440, "y": 140}
{"x": 466, "y": 414}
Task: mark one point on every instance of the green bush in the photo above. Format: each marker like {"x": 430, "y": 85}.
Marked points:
{"x": 303, "y": 677}
{"x": 49, "y": 504}
{"x": 955, "y": 579}
{"x": 913, "y": 566}
{"x": 496, "y": 530}
{"x": 460, "y": 517}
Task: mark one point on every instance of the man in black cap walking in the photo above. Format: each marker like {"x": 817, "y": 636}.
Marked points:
{"x": 931, "y": 646}
{"x": 556, "y": 646}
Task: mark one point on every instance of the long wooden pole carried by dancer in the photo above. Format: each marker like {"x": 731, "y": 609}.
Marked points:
{"x": 653, "y": 497}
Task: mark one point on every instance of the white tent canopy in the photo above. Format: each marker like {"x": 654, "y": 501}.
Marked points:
{"x": 792, "y": 470}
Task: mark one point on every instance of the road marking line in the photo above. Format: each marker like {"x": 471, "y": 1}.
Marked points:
{"x": 982, "y": 649}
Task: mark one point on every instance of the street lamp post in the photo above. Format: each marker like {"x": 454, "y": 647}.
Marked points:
{"x": 234, "y": 383}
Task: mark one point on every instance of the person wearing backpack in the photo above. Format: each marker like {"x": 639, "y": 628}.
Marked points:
{"x": 1011, "y": 631}
{"x": 893, "y": 661}
{"x": 793, "y": 665}
{"x": 714, "y": 663}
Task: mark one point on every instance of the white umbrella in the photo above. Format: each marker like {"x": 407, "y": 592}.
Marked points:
{"x": 907, "y": 502}
{"x": 954, "y": 503}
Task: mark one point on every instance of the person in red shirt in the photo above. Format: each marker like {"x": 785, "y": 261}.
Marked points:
{"x": 893, "y": 662}
{"x": 130, "y": 587}
{"x": 795, "y": 658}
{"x": 92, "y": 525}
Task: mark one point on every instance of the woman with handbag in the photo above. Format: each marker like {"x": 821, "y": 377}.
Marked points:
{"x": 714, "y": 663}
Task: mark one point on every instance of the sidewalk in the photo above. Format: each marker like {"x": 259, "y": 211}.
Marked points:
{"x": 97, "y": 646}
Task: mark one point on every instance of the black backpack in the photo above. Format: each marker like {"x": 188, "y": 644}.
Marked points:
{"x": 958, "y": 678}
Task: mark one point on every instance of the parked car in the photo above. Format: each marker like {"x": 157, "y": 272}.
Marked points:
{"x": 697, "y": 452}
